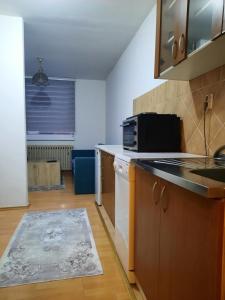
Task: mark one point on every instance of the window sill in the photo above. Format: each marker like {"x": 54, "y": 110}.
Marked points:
{"x": 50, "y": 137}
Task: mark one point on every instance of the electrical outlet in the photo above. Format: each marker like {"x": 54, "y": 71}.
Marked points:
{"x": 210, "y": 101}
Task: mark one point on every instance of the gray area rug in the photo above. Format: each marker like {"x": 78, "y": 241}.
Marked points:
{"x": 39, "y": 188}
{"x": 49, "y": 246}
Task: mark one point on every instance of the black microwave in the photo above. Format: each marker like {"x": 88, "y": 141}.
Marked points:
{"x": 152, "y": 132}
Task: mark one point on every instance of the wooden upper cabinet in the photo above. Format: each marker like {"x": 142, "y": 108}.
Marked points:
{"x": 183, "y": 27}
{"x": 217, "y": 18}
{"x": 204, "y": 22}
{"x": 180, "y": 31}
{"x": 171, "y": 33}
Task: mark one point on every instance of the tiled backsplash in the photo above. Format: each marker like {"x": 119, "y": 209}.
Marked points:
{"x": 186, "y": 100}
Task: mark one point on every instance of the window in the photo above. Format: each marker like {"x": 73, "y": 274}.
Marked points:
{"x": 50, "y": 110}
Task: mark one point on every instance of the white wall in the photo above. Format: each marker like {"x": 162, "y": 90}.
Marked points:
{"x": 13, "y": 167}
{"x": 90, "y": 113}
{"x": 132, "y": 76}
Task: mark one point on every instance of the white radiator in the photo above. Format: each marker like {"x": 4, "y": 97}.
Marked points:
{"x": 51, "y": 152}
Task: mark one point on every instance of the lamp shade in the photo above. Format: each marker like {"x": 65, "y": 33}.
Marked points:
{"x": 40, "y": 78}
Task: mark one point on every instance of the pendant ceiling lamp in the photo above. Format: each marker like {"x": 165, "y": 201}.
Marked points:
{"x": 40, "y": 78}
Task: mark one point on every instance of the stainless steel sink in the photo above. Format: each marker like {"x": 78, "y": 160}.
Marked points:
{"x": 213, "y": 168}
{"x": 215, "y": 174}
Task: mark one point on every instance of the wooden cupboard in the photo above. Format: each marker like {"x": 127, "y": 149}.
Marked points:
{"x": 205, "y": 21}
{"x": 147, "y": 222}
{"x": 184, "y": 27}
{"x": 178, "y": 241}
{"x": 171, "y": 32}
{"x": 108, "y": 185}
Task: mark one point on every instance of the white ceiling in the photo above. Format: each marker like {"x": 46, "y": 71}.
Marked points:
{"x": 77, "y": 38}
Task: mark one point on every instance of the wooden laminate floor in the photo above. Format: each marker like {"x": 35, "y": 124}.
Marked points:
{"x": 110, "y": 286}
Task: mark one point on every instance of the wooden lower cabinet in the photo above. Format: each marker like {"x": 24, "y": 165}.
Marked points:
{"x": 108, "y": 185}
{"x": 178, "y": 241}
{"x": 147, "y": 222}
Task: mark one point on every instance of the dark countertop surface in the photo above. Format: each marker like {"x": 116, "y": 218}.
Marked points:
{"x": 179, "y": 171}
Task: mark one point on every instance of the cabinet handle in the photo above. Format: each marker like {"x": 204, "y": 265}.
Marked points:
{"x": 153, "y": 193}
{"x": 174, "y": 49}
{"x": 182, "y": 43}
{"x": 164, "y": 199}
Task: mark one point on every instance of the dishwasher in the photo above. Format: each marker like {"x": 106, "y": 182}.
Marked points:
{"x": 124, "y": 215}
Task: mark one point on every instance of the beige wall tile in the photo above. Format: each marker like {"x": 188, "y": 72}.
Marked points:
{"x": 219, "y": 102}
{"x": 196, "y": 143}
{"x": 186, "y": 100}
{"x": 222, "y": 73}
{"x": 219, "y": 140}
{"x": 211, "y": 77}
{"x": 196, "y": 84}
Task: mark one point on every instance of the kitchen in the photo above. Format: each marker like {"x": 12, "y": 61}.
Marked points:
{"x": 160, "y": 186}
{"x": 158, "y": 210}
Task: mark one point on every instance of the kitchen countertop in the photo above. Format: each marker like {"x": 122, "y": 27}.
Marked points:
{"x": 179, "y": 172}
{"x": 128, "y": 156}
{"x": 178, "y": 175}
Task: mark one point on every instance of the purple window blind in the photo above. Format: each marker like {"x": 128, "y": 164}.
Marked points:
{"x": 50, "y": 109}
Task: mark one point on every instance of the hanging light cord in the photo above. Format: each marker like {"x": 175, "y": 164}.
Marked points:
{"x": 205, "y": 110}
{"x": 40, "y": 60}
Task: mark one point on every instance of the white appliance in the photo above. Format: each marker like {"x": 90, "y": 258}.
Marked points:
{"x": 98, "y": 176}
{"x": 124, "y": 215}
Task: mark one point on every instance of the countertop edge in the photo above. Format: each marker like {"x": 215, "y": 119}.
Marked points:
{"x": 128, "y": 156}
{"x": 202, "y": 190}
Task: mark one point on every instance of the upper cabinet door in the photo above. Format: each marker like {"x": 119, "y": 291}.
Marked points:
{"x": 204, "y": 22}
{"x": 171, "y": 33}
{"x": 180, "y": 31}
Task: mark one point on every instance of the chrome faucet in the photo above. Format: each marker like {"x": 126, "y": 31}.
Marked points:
{"x": 219, "y": 152}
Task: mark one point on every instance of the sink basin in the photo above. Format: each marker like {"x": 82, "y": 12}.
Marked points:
{"x": 215, "y": 174}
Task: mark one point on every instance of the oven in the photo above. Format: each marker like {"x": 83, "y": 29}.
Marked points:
{"x": 152, "y": 132}
{"x": 130, "y": 128}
